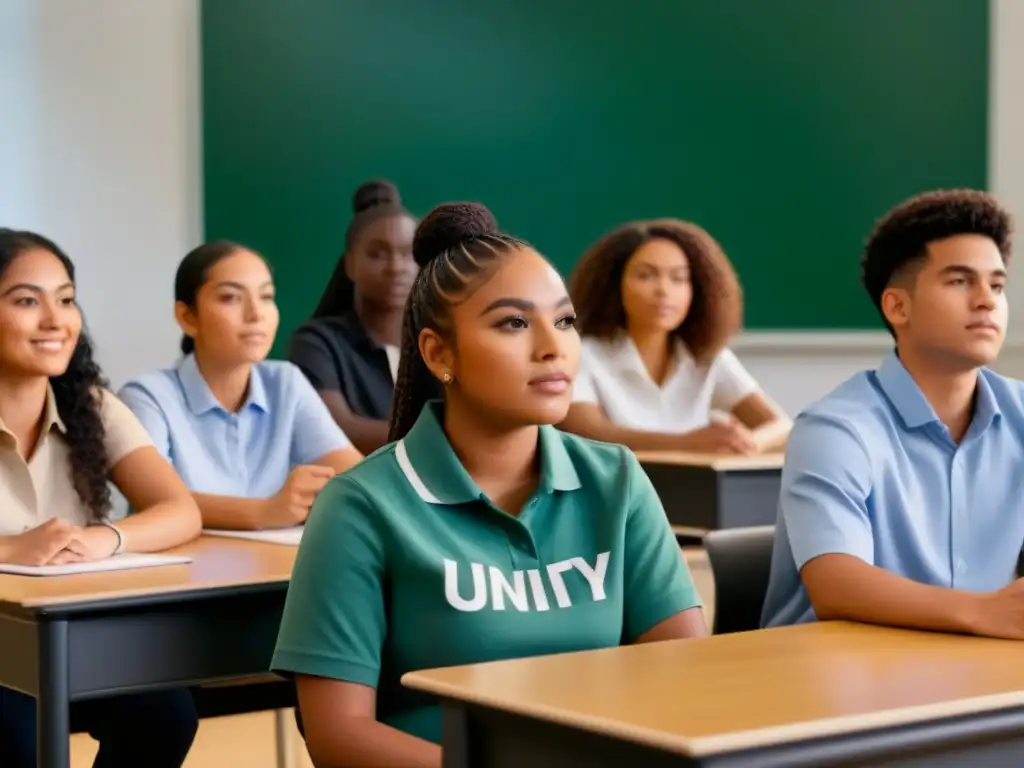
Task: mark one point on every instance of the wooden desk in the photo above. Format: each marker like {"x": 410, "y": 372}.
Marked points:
{"x": 69, "y": 638}
{"x": 702, "y": 493}
{"x": 814, "y": 695}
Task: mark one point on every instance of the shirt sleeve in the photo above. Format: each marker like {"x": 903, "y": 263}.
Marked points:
{"x": 826, "y": 481}
{"x": 123, "y": 432}
{"x": 334, "y": 620}
{"x": 732, "y": 381}
{"x": 149, "y": 414}
{"x": 311, "y": 354}
{"x": 583, "y": 389}
{"x": 658, "y": 584}
{"x": 315, "y": 433}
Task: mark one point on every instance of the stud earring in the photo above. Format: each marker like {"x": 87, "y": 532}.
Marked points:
{"x": 447, "y": 378}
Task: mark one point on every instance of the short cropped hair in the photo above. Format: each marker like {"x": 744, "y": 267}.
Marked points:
{"x": 902, "y": 235}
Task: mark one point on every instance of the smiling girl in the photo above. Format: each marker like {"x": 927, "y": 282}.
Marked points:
{"x": 63, "y": 437}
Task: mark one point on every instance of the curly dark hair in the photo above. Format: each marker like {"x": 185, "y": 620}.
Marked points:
{"x": 456, "y": 245}
{"x": 716, "y": 313}
{"x": 77, "y": 392}
{"x": 901, "y": 237}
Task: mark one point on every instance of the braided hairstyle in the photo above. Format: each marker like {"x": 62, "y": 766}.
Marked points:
{"x": 77, "y": 392}
{"x": 716, "y": 312}
{"x": 378, "y": 199}
{"x": 457, "y": 246}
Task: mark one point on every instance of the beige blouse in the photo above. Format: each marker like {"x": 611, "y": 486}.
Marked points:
{"x": 32, "y": 493}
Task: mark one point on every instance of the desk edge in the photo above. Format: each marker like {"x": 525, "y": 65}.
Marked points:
{"x": 703, "y": 746}
{"x": 52, "y": 604}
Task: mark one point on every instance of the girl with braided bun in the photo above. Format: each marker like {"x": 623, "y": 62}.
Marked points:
{"x": 349, "y": 347}
{"x": 481, "y": 532}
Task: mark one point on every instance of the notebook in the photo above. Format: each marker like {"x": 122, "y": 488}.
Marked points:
{"x": 288, "y": 536}
{"x": 115, "y": 563}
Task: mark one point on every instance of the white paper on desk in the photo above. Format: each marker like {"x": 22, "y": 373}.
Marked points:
{"x": 115, "y": 563}
{"x": 289, "y": 536}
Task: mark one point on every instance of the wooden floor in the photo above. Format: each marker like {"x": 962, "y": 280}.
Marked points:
{"x": 249, "y": 739}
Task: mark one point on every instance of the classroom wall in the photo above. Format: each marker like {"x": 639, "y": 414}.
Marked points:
{"x": 100, "y": 151}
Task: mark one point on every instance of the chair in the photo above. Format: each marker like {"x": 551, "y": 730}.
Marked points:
{"x": 740, "y": 563}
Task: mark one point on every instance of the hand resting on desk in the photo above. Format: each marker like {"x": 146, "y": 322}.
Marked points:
{"x": 56, "y": 543}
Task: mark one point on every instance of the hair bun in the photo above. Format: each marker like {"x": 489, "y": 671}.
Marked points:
{"x": 374, "y": 193}
{"x": 447, "y": 226}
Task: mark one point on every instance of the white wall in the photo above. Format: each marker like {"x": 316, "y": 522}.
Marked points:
{"x": 101, "y": 152}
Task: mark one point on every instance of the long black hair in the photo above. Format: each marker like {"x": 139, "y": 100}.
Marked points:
{"x": 191, "y": 276}
{"x": 456, "y": 245}
{"x": 77, "y": 391}
{"x": 378, "y": 199}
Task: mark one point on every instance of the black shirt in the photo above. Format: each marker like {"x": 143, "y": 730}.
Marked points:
{"x": 337, "y": 354}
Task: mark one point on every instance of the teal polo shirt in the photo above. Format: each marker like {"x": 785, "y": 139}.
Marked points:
{"x": 405, "y": 565}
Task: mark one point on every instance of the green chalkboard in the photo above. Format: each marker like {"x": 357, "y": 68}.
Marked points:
{"x": 785, "y": 127}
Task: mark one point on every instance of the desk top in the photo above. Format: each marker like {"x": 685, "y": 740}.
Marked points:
{"x": 715, "y": 462}
{"x": 218, "y": 562}
{"x": 751, "y": 689}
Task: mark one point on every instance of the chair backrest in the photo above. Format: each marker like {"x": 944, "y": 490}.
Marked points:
{"x": 741, "y": 561}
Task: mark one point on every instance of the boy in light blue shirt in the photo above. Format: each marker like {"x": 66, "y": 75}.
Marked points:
{"x": 901, "y": 497}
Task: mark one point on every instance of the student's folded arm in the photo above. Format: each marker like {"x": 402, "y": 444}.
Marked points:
{"x": 165, "y": 514}
{"x": 736, "y": 391}
{"x": 826, "y": 483}
{"x": 366, "y": 434}
{"x": 768, "y": 423}
{"x": 332, "y": 633}
{"x": 316, "y": 437}
{"x": 311, "y": 354}
{"x": 660, "y": 600}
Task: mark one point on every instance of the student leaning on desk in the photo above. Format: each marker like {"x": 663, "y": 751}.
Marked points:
{"x": 658, "y": 302}
{"x": 483, "y": 532}
{"x": 249, "y": 436}
{"x": 901, "y": 497}
{"x": 62, "y": 435}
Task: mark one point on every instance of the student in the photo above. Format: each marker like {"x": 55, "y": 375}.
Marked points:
{"x": 349, "y": 348}
{"x": 62, "y": 435}
{"x": 658, "y": 302}
{"x": 483, "y": 532}
{"x": 249, "y": 436}
{"x": 901, "y": 499}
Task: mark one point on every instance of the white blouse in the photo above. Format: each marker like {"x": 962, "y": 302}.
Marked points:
{"x": 613, "y": 375}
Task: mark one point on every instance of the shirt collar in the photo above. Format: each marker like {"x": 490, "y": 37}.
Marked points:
{"x": 913, "y": 407}
{"x": 626, "y": 357}
{"x": 51, "y": 417}
{"x": 200, "y": 398}
{"x": 429, "y": 463}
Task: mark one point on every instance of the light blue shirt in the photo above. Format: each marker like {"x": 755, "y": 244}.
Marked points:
{"x": 283, "y": 423}
{"x": 871, "y": 472}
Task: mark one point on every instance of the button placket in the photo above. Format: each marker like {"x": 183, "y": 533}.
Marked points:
{"x": 958, "y": 529}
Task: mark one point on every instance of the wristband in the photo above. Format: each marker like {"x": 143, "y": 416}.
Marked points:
{"x": 120, "y": 537}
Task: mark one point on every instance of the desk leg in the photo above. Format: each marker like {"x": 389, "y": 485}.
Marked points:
{"x": 455, "y": 736}
{"x": 52, "y": 701}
